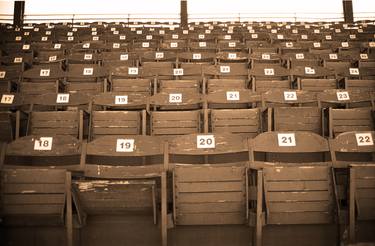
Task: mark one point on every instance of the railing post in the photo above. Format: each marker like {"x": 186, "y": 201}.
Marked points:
{"x": 19, "y": 12}
{"x": 183, "y": 14}
{"x": 348, "y": 11}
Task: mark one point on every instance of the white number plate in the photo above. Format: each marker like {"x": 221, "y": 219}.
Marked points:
{"x": 133, "y": 70}
{"x": 233, "y": 95}
{"x": 205, "y": 142}
{"x": 88, "y": 71}
{"x": 62, "y": 98}
{"x": 44, "y": 143}
{"x": 121, "y": 100}
{"x": 7, "y": 99}
{"x": 45, "y": 72}
{"x": 178, "y": 72}
{"x": 175, "y": 98}
{"x": 364, "y": 139}
{"x": 125, "y": 145}
{"x": 343, "y": 96}
{"x": 269, "y": 71}
{"x": 290, "y": 95}
{"x": 286, "y": 139}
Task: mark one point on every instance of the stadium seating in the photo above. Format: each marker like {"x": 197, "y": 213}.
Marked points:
{"x": 209, "y": 180}
{"x": 249, "y": 123}
{"x": 132, "y": 164}
{"x": 298, "y": 180}
{"x": 353, "y": 152}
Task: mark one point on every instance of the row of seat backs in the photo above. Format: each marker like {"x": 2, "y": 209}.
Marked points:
{"x": 215, "y": 146}
{"x": 81, "y": 34}
{"x": 282, "y": 114}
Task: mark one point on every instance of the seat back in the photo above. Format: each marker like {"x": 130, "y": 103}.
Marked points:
{"x": 363, "y": 193}
{"x": 28, "y": 194}
{"x": 117, "y": 114}
{"x": 213, "y": 193}
{"x": 299, "y": 194}
{"x": 346, "y": 120}
{"x": 297, "y": 190}
{"x": 60, "y": 151}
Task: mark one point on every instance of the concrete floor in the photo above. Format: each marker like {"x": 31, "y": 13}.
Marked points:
{"x": 140, "y": 231}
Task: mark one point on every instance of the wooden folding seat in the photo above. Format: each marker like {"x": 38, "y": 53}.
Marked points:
{"x": 293, "y": 110}
{"x": 117, "y": 113}
{"x": 200, "y": 36}
{"x": 264, "y": 48}
{"x": 42, "y": 79}
{"x": 233, "y": 111}
{"x": 353, "y": 158}
{"x": 229, "y": 45}
{"x": 229, "y": 35}
{"x": 280, "y": 37}
{"x": 10, "y": 77}
{"x": 318, "y": 48}
{"x": 264, "y": 58}
{"x": 37, "y": 197}
{"x": 181, "y": 85}
{"x": 256, "y": 39}
{"x": 209, "y": 179}
{"x": 336, "y": 61}
{"x": 10, "y": 116}
{"x": 158, "y": 56}
{"x": 24, "y": 60}
{"x": 292, "y": 47}
{"x": 67, "y": 41}
{"x": 202, "y": 46}
{"x": 17, "y": 47}
{"x": 197, "y": 57}
{"x": 232, "y": 57}
{"x": 144, "y": 45}
{"x": 129, "y": 173}
{"x": 86, "y": 78}
{"x": 293, "y": 60}
{"x": 116, "y": 35}
{"x": 50, "y": 57}
{"x": 349, "y": 48}
{"x": 58, "y": 114}
{"x": 345, "y": 98}
{"x": 175, "y": 113}
{"x": 83, "y": 58}
{"x": 298, "y": 183}
{"x": 116, "y": 58}
{"x": 174, "y": 45}
{"x": 343, "y": 120}
{"x": 266, "y": 77}
{"x": 141, "y": 88}
{"x": 41, "y": 151}
{"x": 315, "y": 79}
{"x": 359, "y": 78}
{"x": 41, "y": 37}
{"x": 130, "y": 80}
{"x": 171, "y": 34}
{"x": 365, "y": 60}
{"x": 227, "y": 70}
{"x": 88, "y": 46}
{"x": 114, "y": 44}
{"x": 41, "y": 48}
{"x": 160, "y": 70}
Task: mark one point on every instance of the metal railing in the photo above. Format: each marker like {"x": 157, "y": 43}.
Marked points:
{"x": 175, "y": 18}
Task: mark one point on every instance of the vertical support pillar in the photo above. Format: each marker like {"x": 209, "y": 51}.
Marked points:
{"x": 259, "y": 209}
{"x": 164, "y": 237}
{"x": 348, "y": 11}
{"x": 352, "y": 195}
{"x": 184, "y": 14}
{"x": 19, "y": 11}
